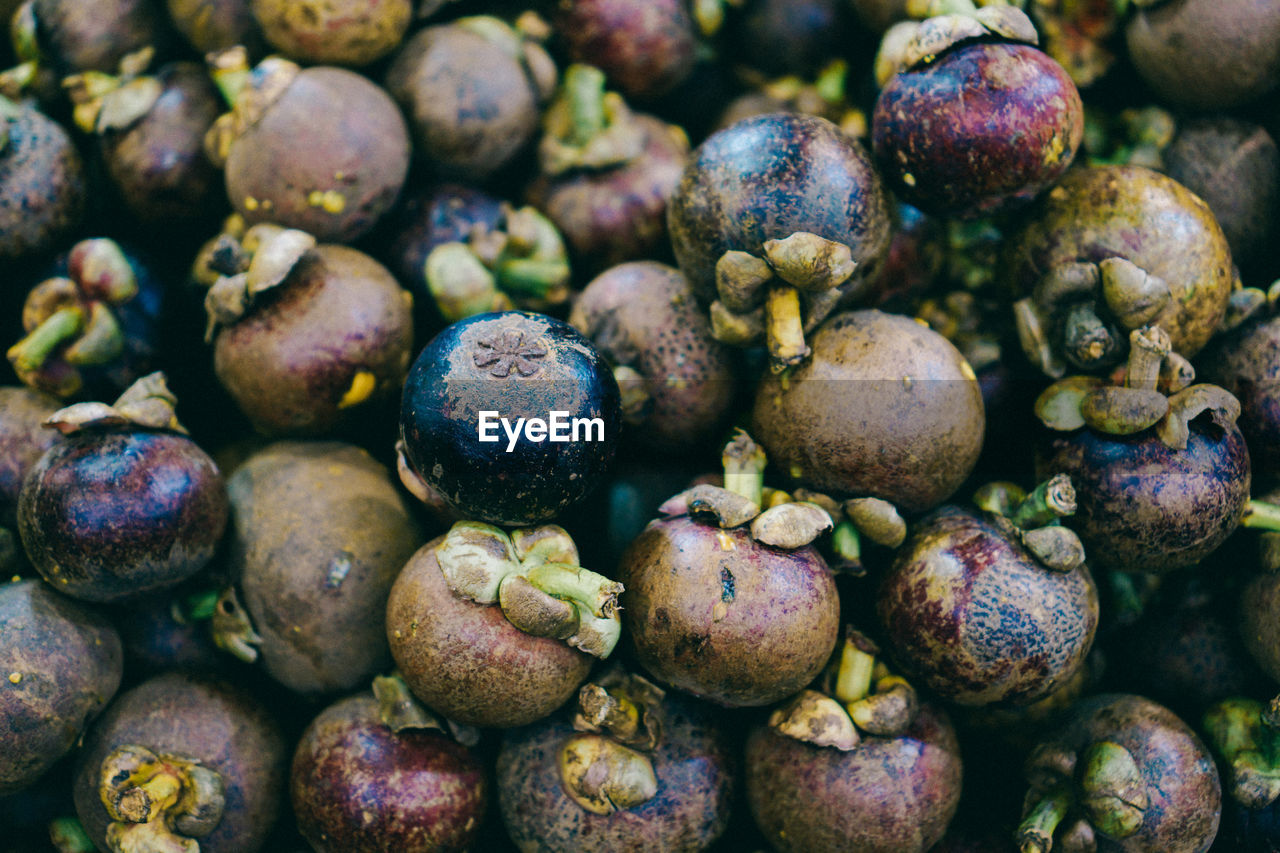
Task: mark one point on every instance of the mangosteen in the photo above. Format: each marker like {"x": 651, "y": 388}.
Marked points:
{"x": 61, "y": 663}
{"x": 1108, "y": 250}
{"x": 1259, "y": 598}
{"x": 825, "y": 95}
{"x": 1122, "y": 773}
{"x": 629, "y": 767}
{"x": 181, "y": 761}
{"x": 645, "y": 47}
{"x": 862, "y": 765}
{"x": 125, "y": 503}
{"x": 168, "y": 631}
{"x": 150, "y": 133}
{"x": 511, "y": 416}
{"x": 777, "y": 221}
{"x": 92, "y": 328}
{"x": 787, "y": 36}
{"x": 211, "y": 26}
{"x": 1177, "y": 46}
{"x": 1244, "y": 736}
{"x": 677, "y": 380}
{"x": 497, "y": 629}
{"x": 362, "y": 782}
{"x": 975, "y": 120}
{"x": 606, "y": 172}
{"x": 307, "y": 338}
{"x": 992, "y": 606}
{"x": 345, "y": 32}
{"x": 42, "y": 182}
{"x": 472, "y": 90}
{"x": 885, "y": 408}
{"x": 347, "y": 174}
{"x": 726, "y": 602}
{"x": 23, "y": 440}
{"x": 319, "y": 533}
{"x": 431, "y": 216}
{"x": 1160, "y": 468}
{"x": 90, "y": 35}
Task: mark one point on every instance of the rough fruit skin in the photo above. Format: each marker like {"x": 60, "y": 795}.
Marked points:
{"x": 695, "y": 764}
{"x": 646, "y": 47}
{"x": 886, "y": 795}
{"x": 22, "y": 441}
{"x": 42, "y": 185}
{"x": 977, "y": 619}
{"x": 358, "y": 787}
{"x": 109, "y": 516}
{"x": 767, "y": 177}
{"x": 721, "y": 616}
{"x": 69, "y": 662}
{"x": 333, "y": 32}
{"x": 1247, "y": 363}
{"x": 983, "y": 129}
{"x": 466, "y": 660}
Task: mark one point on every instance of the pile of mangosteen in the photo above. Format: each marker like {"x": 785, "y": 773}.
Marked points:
{"x": 640, "y": 425}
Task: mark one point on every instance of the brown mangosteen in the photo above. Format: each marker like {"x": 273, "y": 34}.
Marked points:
{"x": 126, "y": 503}
{"x": 606, "y": 172}
{"x": 319, "y": 533}
{"x": 985, "y": 607}
{"x": 61, "y": 663}
{"x": 886, "y": 407}
{"x": 862, "y": 766}
{"x": 1206, "y": 54}
{"x": 1110, "y": 249}
{"x": 645, "y": 47}
{"x": 677, "y": 380}
{"x": 92, "y": 35}
{"x": 975, "y": 120}
{"x": 1245, "y": 360}
{"x": 472, "y": 91}
{"x": 306, "y": 338}
{"x": 354, "y": 161}
{"x": 23, "y": 440}
{"x": 215, "y": 25}
{"x": 778, "y": 220}
{"x": 364, "y": 782}
{"x": 1123, "y": 774}
{"x": 629, "y": 767}
{"x": 333, "y": 32}
{"x": 181, "y": 760}
{"x": 42, "y": 182}
{"x": 497, "y": 629}
{"x": 726, "y": 602}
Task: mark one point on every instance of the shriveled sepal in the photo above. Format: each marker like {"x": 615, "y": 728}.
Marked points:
{"x": 158, "y": 802}
{"x": 603, "y": 776}
{"x": 232, "y": 628}
{"x": 914, "y": 44}
{"x": 1034, "y": 519}
{"x": 109, "y": 102}
{"x": 248, "y": 91}
{"x": 263, "y": 259}
{"x": 586, "y": 127}
{"x": 146, "y": 404}
{"x": 1244, "y": 734}
{"x": 624, "y": 706}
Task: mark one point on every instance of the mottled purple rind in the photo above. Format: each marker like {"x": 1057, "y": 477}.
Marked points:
{"x": 983, "y": 129}
{"x": 22, "y": 441}
{"x": 1130, "y": 212}
{"x": 68, "y": 661}
{"x": 645, "y": 47}
{"x": 443, "y": 213}
{"x": 42, "y": 185}
{"x": 111, "y": 515}
{"x": 768, "y": 177}
{"x": 1181, "y": 781}
{"x": 331, "y": 130}
{"x": 695, "y": 764}
{"x": 358, "y": 787}
{"x": 466, "y": 660}
{"x": 718, "y": 615}
{"x": 974, "y": 617}
{"x": 884, "y": 408}
{"x": 886, "y": 795}
{"x": 221, "y": 726}
{"x": 319, "y": 533}
{"x": 289, "y": 362}
{"x": 643, "y": 314}
{"x": 1247, "y": 363}
{"x": 619, "y": 214}
{"x": 1145, "y": 507}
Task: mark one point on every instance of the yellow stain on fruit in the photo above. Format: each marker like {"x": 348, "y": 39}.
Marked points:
{"x": 966, "y": 370}
{"x": 250, "y": 203}
{"x": 1056, "y": 147}
{"x": 362, "y": 385}
{"x": 724, "y": 541}
{"x": 15, "y": 677}
{"x": 909, "y": 179}
{"x": 331, "y": 200}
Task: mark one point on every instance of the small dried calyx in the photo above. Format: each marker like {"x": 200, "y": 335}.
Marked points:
{"x": 70, "y": 320}
{"x": 1155, "y": 390}
{"x": 607, "y": 766}
{"x": 399, "y": 710}
{"x": 1245, "y": 733}
{"x": 1074, "y": 796}
{"x": 522, "y": 263}
{"x": 533, "y": 574}
{"x": 105, "y": 102}
{"x": 1034, "y": 519}
{"x": 146, "y": 404}
{"x": 779, "y": 298}
{"x": 947, "y": 24}
{"x": 586, "y": 127}
{"x": 860, "y": 695}
{"x": 158, "y": 802}
{"x": 244, "y": 264}
{"x": 248, "y": 91}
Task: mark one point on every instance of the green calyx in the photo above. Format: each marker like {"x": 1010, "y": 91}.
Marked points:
{"x": 158, "y": 802}
{"x": 1035, "y": 833}
{"x": 106, "y": 102}
{"x": 1075, "y": 794}
{"x": 1112, "y": 790}
{"x": 1243, "y": 734}
{"x": 587, "y": 127}
{"x": 534, "y": 576}
{"x": 1035, "y": 518}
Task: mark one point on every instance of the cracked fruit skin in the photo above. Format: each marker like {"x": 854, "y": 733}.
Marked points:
{"x": 978, "y": 619}
{"x": 983, "y": 129}
{"x": 513, "y": 364}
{"x": 719, "y": 615}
